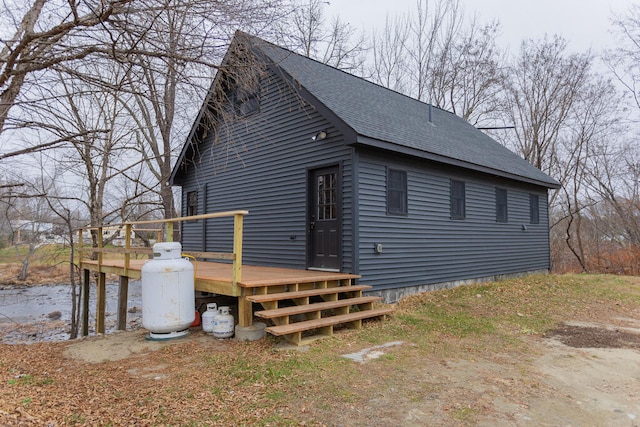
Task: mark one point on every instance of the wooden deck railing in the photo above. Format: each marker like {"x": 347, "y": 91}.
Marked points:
{"x": 163, "y": 234}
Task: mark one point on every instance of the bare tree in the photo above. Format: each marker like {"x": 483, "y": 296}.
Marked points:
{"x": 46, "y": 34}
{"x": 592, "y": 128}
{"x": 389, "y": 64}
{"x": 541, "y": 90}
{"x": 468, "y": 79}
{"x": 106, "y": 93}
{"x": 414, "y": 47}
{"x": 66, "y": 35}
{"x": 567, "y": 123}
{"x": 615, "y": 179}
{"x": 173, "y": 51}
{"x": 335, "y": 42}
{"x": 65, "y": 210}
{"x": 27, "y": 221}
{"x": 8, "y": 188}
{"x": 624, "y": 60}
{"x": 433, "y": 56}
{"x": 432, "y": 34}
{"x": 91, "y": 161}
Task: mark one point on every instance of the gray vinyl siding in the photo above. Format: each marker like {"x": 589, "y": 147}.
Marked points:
{"x": 426, "y": 246}
{"x": 261, "y": 165}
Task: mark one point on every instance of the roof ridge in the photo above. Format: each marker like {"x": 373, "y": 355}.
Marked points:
{"x": 291, "y": 52}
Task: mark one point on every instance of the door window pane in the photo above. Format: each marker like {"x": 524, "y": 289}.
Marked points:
{"x": 327, "y": 191}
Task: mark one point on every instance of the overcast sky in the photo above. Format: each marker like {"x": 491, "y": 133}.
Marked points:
{"x": 584, "y": 23}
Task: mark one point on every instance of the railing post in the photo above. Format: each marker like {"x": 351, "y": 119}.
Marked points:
{"x": 127, "y": 246}
{"x": 101, "y": 302}
{"x": 237, "y": 248}
{"x": 101, "y": 297}
{"x": 100, "y": 246}
{"x": 78, "y": 252}
{"x": 85, "y": 302}
{"x": 245, "y": 308}
{"x": 123, "y": 298}
{"x": 169, "y": 232}
{"x": 84, "y": 294}
{"x": 123, "y": 283}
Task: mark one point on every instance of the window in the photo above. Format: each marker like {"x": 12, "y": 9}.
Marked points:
{"x": 501, "y": 205}
{"x": 534, "y": 209}
{"x": 192, "y": 203}
{"x": 396, "y": 192}
{"x": 457, "y": 199}
{"x": 247, "y": 100}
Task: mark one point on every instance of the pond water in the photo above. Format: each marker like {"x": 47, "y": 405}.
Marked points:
{"x": 43, "y": 313}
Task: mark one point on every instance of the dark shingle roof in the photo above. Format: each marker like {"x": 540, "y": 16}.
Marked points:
{"x": 379, "y": 114}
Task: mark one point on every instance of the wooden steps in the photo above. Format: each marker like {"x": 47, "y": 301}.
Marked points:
{"x": 320, "y": 306}
{"x": 314, "y": 312}
{"x": 267, "y": 298}
{"x": 294, "y": 331}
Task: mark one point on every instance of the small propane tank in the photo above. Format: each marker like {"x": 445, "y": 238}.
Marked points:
{"x": 208, "y": 317}
{"x": 223, "y": 324}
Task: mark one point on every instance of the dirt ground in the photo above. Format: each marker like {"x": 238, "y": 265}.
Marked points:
{"x": 563, "y": 380}
{"x": 580, "y": 374}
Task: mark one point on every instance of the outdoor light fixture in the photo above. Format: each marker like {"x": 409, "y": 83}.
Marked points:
{"x": 319, "y": 136}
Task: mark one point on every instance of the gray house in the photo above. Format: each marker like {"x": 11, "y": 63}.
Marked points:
{"x": 341, "y": 174}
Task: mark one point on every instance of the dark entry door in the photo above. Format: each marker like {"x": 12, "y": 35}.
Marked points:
{"x": 324, "y": 219}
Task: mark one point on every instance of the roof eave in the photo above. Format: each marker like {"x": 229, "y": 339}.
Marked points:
{"x": 389, "y": 146}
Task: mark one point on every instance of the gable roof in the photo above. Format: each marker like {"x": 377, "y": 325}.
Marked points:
{"x": 382, "y": 118}
{"x": 387, "y": 119}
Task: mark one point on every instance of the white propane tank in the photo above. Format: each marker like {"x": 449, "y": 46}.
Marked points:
{"x": 223, "y": 324}
{"x": 208, "y": 316}
{"x": 168, "y": 294}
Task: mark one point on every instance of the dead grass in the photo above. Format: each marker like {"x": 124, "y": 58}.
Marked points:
{"x": 48, "y": 265}
{"x": 449, "y": 337}
{"x": 38, "y": 275}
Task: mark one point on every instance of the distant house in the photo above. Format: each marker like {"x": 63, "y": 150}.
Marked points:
{"x": 31, "y": 230}
{"x": 116, "y": 235}
{"x": 341, "y": 174}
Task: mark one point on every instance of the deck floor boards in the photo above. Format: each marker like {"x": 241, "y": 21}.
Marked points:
{"x": 222, "y": 273}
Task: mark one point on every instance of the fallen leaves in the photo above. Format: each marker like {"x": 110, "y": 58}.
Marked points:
{"x": 202, "y": 381}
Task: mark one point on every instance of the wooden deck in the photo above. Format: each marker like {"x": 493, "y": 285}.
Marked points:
{"x": 322, "y": 299}
{"x": 217, "y": 277}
